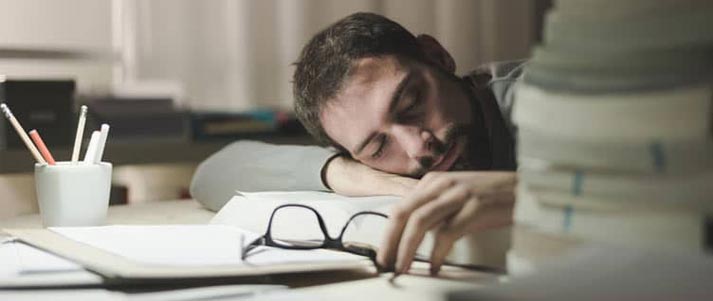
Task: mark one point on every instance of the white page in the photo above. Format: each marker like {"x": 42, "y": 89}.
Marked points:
{"x": 189, "y": 245}
{"x": 18, "y": 258}
{"x": 185, "y": 245}
{"x": 22, "y": 265}
{"x": 349, "y": 204}
{"x": 252, "y": 211}
{"x": 268, "y": 255}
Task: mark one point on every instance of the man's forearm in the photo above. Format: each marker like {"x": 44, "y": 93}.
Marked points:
{"x": 348, "y": 177}
{"x": 257, "y": 166}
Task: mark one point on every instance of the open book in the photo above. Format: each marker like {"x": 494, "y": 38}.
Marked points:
{"x": 252, "y": 210}
{"x": 136, "y": 253}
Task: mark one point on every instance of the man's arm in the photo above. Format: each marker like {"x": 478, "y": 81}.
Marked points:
{"x": 257, "y": 166}
{"x": 348, "y": 177}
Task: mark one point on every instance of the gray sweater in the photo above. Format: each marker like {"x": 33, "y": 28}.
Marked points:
{"x": 257, "y": 166}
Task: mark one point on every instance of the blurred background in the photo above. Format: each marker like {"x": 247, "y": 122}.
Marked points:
{"x": 178, "y": 79}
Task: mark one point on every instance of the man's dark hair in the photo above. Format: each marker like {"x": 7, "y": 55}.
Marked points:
{"x": 325, "y": 62}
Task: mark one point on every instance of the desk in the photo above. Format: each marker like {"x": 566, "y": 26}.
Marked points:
{"x": 346, "y": 285}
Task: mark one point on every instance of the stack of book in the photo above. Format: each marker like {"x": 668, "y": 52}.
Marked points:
{"x": 615, "y": 140}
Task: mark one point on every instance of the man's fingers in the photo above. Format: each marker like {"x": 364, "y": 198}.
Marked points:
{"x": 424, "y": 219}
{"x": 389, "y": 243}
{"x": 472, "y": 217}
{"x": 427, "y": 189}
{"x": 441, "y": 247}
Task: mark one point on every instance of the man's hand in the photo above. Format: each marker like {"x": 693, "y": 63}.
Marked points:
{"x": 349, "y": 177}
{"x": 452, "y": 203}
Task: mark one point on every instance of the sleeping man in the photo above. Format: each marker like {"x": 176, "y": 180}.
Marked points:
{"x": 397, "y": 121}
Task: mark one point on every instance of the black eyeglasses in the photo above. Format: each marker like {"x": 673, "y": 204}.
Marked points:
{"x": 310, "y": 215}
{"x": 312, "y": 218}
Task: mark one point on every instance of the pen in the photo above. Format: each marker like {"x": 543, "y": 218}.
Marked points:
{"x": 80, "y": 133}
{"x": 41, "y": 145}
{"x": 21, "y": 132}
{"x": 103, "y": 133}
{"x": 92, "y": 148}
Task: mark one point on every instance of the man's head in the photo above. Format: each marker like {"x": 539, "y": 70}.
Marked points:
{"x": 383, "y": 96}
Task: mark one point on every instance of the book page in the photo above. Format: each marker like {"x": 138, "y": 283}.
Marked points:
{"x": 346, "y": 203}
{"x": 25, "y": 266}
{"x": 252, "y": 211}
{"x": 18, "y": 258}
{"x": 190, "y": 245}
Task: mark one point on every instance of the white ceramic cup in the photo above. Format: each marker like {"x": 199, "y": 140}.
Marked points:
{"x": 73, "y": 194}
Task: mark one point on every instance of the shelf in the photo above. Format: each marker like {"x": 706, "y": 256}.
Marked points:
{"x": 56, "y": 53}
{"x": 141, "y": 152}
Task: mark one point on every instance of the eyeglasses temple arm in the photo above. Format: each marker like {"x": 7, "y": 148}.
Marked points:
{"x": 245, "y": 249}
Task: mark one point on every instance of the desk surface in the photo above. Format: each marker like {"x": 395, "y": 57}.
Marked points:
{"x": 164, "y": 212}
{"x": 322, "y": 286}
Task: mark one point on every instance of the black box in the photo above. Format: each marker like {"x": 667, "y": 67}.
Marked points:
{"x": 138, "y": 118}
{"x": 45, "y": 105}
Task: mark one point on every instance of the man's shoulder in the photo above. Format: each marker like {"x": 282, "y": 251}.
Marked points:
{"x": 499, "y": 78}
{"x": 497, "y": 81}
{"x": 494, "y": 72}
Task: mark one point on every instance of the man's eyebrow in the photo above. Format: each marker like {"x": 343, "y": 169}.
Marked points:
{"x": 392, "y": 106}
{"x": 400, "y": 90}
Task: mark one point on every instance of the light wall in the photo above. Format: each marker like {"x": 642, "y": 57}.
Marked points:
{"x": 236, "y": 54}
{"x": 233, "y": 55}
{"x": 83, "y": 27}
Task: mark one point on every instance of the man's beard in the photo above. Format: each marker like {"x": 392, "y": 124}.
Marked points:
{"x": 463, "y": 162}
{"x": 453, "y": 133}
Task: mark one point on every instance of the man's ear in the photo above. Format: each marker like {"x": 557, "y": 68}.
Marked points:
{"x": 436, "y": 53}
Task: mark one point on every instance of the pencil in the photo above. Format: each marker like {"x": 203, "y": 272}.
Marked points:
{"x": 80, "y": 133}
{"x": 103, "y": 134}
{"x": 92, "y": 148}
{"x": 41, "y": 145}
{"x": 21, "y": 132}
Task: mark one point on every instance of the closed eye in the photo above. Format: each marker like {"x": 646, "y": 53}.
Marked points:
{"x": 382, "y": 145}
{"x": 411, "y": 112}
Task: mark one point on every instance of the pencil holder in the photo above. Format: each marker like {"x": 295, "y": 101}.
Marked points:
{"x": 73, "y": 194}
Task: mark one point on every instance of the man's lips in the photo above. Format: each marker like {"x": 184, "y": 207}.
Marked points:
{"x": 448, "y": 158}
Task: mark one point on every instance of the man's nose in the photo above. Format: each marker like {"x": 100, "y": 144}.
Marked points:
{"x": 417, "y": 142}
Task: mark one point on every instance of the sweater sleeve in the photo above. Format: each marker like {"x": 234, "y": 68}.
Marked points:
{"x": 256, "y": 166}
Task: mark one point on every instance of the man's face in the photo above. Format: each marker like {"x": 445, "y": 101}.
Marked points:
{"x": 401, "y": 117}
